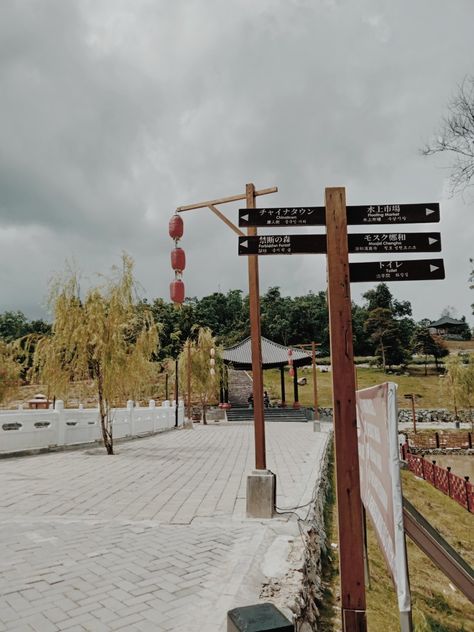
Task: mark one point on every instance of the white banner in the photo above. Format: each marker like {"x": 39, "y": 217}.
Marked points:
{"x": 381, "y": 492}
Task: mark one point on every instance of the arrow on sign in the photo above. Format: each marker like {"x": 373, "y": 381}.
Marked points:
{"x": 433, "y": 268}
{"x": 429, "y": 211}
{"x": 244, "y": 244}
{"x": 432, "y": 241}
{"x": 244, "y": 217}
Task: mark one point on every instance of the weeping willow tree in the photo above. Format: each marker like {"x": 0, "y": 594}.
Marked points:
{"x": 102, "y": 338}
{"x": 201, "y": 358}
{"x": 10, "y": 370}
{"x": 453, "y": 382}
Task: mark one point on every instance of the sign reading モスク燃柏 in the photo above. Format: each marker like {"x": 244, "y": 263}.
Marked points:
{"x": 380, "y": 483}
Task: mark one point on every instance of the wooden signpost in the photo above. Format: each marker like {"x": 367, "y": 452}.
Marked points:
{"x": 336, "y": 216}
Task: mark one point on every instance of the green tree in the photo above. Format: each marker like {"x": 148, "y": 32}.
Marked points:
{"x": 384, "y": 332}
{"x": 427, "y": 344}
{"x": 224, "y": 314}
{"x": 174, "y": 323}
{"x": 310, "y": 321}
{"x": 381, "y": 296}
{"x": 389, "y": 325}
{"x": 103, "y": 338}
{"x": 276, "y": 312}
{"x": 13, "y": 325}
{"x": 363, "y": 345}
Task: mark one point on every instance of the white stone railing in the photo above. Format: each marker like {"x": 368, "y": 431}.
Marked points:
{"x": 24, "y": 430}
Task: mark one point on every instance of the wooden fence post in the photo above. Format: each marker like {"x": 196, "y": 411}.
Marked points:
{"x": 434, "y": 474}
{"x": 449, "y": 480}
{"x": 466, "y": 488}
{"x": 437, "y": 439}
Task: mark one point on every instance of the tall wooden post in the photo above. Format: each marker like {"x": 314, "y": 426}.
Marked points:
{"x": 296, "y": 399}
{"x": 315, "y": 380}
{"x": 176, "y": 393}
{"x": 256, "y": 345}
{"x": 282, "y": 384}
{"x": 189, "y": 378}
{"x": 351, "y": 540}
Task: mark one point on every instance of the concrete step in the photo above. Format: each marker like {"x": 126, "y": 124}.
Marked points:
{"x": 270, "y": 414}
{"x": 240, "y": 387}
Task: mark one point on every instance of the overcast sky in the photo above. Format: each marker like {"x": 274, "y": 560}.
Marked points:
{"x": 115, "y": 112}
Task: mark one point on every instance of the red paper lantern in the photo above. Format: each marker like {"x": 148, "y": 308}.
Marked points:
{"x": 178, "y": 259}
{"x": 177, "y": 291}
{"x": 176, "y": 227}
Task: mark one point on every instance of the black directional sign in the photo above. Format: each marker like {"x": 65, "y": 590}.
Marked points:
{"x": 282, "y": 245}
{"x": 316, "y": 215}
{"x": 382, "y": 271}
{"x": 394, "y": 242}
{"x": 358, "y": 243}
{"x": 393, "y": 214}
{"x": 299, "y": 216}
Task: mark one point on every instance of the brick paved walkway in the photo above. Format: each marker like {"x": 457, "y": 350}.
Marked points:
{"x": 152, "y": 539}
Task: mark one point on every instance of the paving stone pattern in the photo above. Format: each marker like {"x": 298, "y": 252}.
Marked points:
{"x": 154, "y": 538}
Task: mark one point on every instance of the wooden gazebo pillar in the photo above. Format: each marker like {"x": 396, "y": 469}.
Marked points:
{"x": 282, "y": 382}
{"x": 296, "y": 403}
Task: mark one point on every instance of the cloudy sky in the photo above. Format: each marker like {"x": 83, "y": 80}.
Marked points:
{"x": 115, "y": 112}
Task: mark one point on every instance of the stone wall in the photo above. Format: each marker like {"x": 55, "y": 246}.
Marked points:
{"x": 422, "y": 414}
{"x": 300, "y": 590}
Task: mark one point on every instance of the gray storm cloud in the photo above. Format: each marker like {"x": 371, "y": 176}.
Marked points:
{"x": 115, "y": 112}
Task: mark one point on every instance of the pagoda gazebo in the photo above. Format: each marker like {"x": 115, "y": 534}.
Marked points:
{"x": 274, "y": 356}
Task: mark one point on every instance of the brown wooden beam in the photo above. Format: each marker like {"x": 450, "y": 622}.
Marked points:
{"x": 224, "y": 200}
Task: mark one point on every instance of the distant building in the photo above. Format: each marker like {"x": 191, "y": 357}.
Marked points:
{"x": 450, "y": 328}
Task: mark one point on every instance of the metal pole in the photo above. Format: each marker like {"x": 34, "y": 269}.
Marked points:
{"x": 349, "y": 505}
{"x": 256, "y": 345}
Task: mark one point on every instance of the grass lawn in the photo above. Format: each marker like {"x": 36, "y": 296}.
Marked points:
{"x": 430, "y": 386}
{"x": 437, "y": 605}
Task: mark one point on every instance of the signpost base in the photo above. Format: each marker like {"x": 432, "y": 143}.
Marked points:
{"x": 261, "y": 494}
